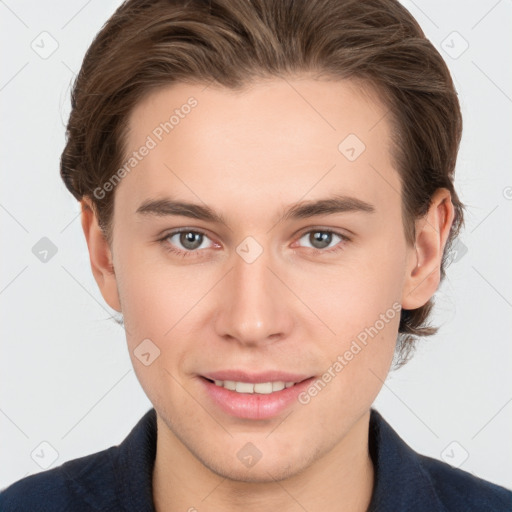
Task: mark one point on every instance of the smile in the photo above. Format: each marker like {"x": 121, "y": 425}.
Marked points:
{"x": 263, "y": 388}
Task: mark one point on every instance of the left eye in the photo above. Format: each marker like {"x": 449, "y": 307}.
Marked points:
{"x": 320, "y": 239}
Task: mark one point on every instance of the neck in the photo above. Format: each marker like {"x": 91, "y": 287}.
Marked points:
{"x": 341, "y": 479}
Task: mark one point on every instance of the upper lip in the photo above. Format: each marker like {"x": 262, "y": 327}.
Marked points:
{"x": 267, "y": 376}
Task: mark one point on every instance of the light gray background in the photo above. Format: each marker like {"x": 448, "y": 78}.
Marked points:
{"x": 65, "y": 375}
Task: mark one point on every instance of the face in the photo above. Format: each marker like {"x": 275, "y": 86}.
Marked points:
{"x": 262, "y": 284}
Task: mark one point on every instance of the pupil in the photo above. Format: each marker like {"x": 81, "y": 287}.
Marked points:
{"x": 322, "y": 237}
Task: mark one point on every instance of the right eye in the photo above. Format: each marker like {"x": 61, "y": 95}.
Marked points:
{"x": 191, "y": 240}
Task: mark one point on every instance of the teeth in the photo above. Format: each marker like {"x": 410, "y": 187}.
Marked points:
{"x": 244, "y": 387}
{"x": 263, "y": 388}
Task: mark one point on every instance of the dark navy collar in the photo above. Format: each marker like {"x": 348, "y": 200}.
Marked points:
{"x": 136, "y": 458}
{"x": 400, "y": 483}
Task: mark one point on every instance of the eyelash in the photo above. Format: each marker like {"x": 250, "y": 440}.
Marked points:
{"x": 185, "y": 254}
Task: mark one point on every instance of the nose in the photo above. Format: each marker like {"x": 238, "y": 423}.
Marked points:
{"x": 254, "y": 306}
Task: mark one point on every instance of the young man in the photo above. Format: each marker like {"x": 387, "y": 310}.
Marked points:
{"x": 267, "y": 192}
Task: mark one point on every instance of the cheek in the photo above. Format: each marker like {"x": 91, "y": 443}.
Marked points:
{"x": 355, "y": 294}
{"x": 354, "y": 371}
{"x": 155, "y": 308}
{"x": 154, "y": 294}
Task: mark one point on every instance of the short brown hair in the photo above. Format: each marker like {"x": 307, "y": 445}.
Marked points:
{"x": 148, "y": 44}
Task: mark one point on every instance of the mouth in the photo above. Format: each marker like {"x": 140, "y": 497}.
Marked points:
{"x": 260, "y": 400}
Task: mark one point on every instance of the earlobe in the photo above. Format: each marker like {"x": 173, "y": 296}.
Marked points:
{"x": 100, "y": 255}
{"x": 424, "y": 266}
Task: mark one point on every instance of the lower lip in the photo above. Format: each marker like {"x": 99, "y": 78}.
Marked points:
{"x": 254, "y": 406}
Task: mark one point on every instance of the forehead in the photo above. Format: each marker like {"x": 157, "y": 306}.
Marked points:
{"x": 279, "y": 139}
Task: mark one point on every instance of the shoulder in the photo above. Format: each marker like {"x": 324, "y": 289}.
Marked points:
{"x": 460, "y": 490}
{"x": 408, "y": 480}
{"x": 118, "y": 478}
{"x": 75, "y": 485}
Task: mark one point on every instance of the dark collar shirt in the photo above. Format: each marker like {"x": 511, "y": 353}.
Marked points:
{"x": 120, "y": 479}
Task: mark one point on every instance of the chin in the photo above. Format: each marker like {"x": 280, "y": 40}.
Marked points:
{"x": 263, "y": 473}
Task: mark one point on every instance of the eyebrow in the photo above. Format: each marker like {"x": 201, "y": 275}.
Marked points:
{"x": 303, "y": 210}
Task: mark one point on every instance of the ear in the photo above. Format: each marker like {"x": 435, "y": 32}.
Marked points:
{"x": 424, "y": 267}
{"x": 100, "y": 255}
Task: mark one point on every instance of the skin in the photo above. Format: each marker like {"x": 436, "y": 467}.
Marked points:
{"x": 249, "y": 155}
